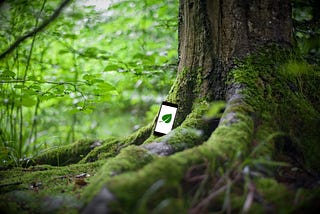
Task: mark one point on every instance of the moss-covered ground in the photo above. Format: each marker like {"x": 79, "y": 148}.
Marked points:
{"x": 264, "y": 156}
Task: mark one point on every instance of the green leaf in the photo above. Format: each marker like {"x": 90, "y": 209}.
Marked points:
{"x": 28, "y": 101}
{"x": 32, "y": 78}
{"x": 91, "y": 52}
{"x": 73, "y": 111}
{"x": 97, "y": 81}
{"x": 19, "y": 86}
{"x": 167, "y": 118}
{"x": 87, "y": 111}
{"x": 139, "y": 56}
{"x": 91, "y": 77}
{"x": 106, "y": 87}
{"x": 104, "y": 56}
{"x": 35, "y": 87}
{"x": 7, "y": 74}
{"x": 64, "y": 51}
{"x": 88, "y": 77}
{"x": 70, "y": 35}
{"x": 111, "y": 67}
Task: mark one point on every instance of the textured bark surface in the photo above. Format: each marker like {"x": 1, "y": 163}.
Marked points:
{"x": 213, "y": 33}
{"x": 239, "y": 27}
{"x": 196, "y": 59}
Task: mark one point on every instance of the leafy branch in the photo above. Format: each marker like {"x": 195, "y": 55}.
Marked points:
{"x": 44, "y": 24}
{"x": 40, "y": 82}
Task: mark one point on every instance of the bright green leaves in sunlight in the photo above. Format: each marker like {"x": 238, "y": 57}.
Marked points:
{"x": 167, "y": 118}
{"x": 85, "y": 74}
{"x": 28, "y": 101}
{"x": 112, "y": 67}
{"x": 7, "y": 75}
{"x": 99, "y": 86}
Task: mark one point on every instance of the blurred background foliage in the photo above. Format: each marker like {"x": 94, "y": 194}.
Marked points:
{"x": 306, "y": 21}
{"x": 100, "y": 69}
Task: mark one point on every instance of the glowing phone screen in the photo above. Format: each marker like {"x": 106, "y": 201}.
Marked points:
{"x": 165, "y": 118}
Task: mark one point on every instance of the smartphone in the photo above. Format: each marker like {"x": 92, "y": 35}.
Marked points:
{"x": 165, "y": 120}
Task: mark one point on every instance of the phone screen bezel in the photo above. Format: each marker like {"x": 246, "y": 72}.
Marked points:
{"x": 164, "y": 103}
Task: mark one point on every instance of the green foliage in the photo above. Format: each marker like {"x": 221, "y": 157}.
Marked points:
{"x": 87, "y": 74}
{"x": 306, "y": 21}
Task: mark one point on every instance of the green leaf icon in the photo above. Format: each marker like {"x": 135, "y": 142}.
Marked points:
{"x": 167, "y": 118}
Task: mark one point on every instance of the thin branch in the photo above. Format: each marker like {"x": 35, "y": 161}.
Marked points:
{"x": 44, "y": 24}
{"x": 40, "y": 82}
{"x": 33, "y": 41}
{"x": 11, "y": 81}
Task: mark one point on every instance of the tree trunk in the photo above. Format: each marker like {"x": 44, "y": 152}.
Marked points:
{"x": 239, "y": 52}
{"x": 213, "y": 33}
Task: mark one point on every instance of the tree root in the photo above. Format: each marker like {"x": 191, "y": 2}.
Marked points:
{"x": 222, "y": 149}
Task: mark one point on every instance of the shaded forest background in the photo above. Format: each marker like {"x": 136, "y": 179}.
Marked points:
{"x": 99, "y": 69}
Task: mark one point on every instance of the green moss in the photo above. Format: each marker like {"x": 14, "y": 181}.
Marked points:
{"x": 270, "y": 197}
{"x": 294, "y": 68}
{"x": 108, "y": 149}
{"x": 139, "y": 136}
{"x": 302, "y": 125}
{"x": 281, "y": 87}
{"x": 67, "y": 154}
{"x": 307, "y": 200}
{"x": 44, "y": 188}
{"x": 160, "y": 181}
{"x": 216, "y": 109}
{"x": 153, "y": 184}
{"x": 112, "y": 146}
{"x": 183, "y": 92}
{"x": 277, "y": 195}
{"x": 130, "y": 158}
{"x": 232, "y": 141}
{"x": 164, "y": 177}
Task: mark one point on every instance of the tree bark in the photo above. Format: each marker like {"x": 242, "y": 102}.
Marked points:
{"x": 213, "y": 33}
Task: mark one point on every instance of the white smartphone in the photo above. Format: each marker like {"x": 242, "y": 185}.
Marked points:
{"x": 165, "y": 118}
